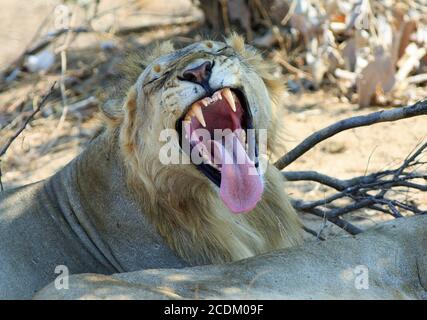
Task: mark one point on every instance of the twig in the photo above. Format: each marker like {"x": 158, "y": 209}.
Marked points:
{"x": 290, "y": 13}
{"x": 412, "y": 185}
{"x": 357, "y": 190}
{"x": 334, "y": 213}
{"x": 419, "y": 108}
{"x": 337, "y": 184}
{"x": 18, "y": 132}
{"x": 364, "y": 182}
{"x": 62, "y": 50}
{"x": 36, "y": 110}
{"x": 347, "y": 226}
{"x": 278, "y": 58}
{"x": 314, "y": 233}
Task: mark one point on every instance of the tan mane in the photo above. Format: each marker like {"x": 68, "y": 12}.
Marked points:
{"x": 180, "y": 202}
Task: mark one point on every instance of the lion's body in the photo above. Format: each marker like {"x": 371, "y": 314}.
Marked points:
{"x": 83, "y": 218}
{"x": 117, "y": 208}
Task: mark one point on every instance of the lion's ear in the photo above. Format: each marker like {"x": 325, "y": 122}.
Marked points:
{"x": 159, "y": 49}
{"x": 237, "y": 42}
{"x": 128, "y": 122}
{"x": 113, "y": 115}
{"x": 129, "y": 108}
{"x": 165, "y": 47}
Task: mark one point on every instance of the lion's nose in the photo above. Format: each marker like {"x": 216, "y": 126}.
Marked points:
{"x": 200, "y": 74}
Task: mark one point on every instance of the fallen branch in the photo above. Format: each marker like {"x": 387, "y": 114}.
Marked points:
{"x": 314, "y": 233}
{"x": 419, "y": 108}
{"x": 358, "y": 190}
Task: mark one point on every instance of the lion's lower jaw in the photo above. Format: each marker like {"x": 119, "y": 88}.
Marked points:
{"x": 196, "y": 224}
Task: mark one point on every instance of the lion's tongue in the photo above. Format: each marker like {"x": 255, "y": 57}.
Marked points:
{"x": 241, "y": 186}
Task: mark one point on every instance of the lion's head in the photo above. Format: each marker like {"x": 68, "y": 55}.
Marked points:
{"x": 180, "y": 100}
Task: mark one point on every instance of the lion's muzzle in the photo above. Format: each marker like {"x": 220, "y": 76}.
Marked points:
{"x": 217, "y": 129}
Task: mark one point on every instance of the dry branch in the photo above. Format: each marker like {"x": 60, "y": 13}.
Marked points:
{"x": 419, "y": 108}
{"x": 359, "y": 189}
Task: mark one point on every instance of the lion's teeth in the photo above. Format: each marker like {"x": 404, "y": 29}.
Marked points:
{"x": 217, "y": 96}
{"x": 205, "y": 102}
{"x": 197, "y": 111}
{"x": 229, "y": 97}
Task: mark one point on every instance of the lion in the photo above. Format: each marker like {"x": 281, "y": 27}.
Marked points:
{"x": 120, "y": 207}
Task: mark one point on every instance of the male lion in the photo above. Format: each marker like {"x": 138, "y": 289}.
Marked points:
{"x": 117, "y": 207}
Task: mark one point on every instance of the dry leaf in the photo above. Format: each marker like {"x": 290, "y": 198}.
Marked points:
{"x": 378, "y": 74}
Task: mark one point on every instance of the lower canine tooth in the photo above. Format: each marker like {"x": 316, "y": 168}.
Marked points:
{"x": 229, "y": 97}
{"x": 198, "y": 113}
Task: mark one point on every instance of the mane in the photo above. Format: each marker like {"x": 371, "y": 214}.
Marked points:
{"x": 181, "y": 203}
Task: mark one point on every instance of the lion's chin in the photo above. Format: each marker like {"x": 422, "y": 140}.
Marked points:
{"x": 223, "y": 147}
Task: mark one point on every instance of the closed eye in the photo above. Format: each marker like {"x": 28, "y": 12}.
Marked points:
{"x": 222, "y": 49}
{"x": 156, "y": 79}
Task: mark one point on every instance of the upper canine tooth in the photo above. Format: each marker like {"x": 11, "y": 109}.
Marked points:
{"x": 198, "y": 113}
{"x": 229, "y": 97}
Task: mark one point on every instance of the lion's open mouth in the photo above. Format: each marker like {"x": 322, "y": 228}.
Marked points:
{"x": 222, "y": 144}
